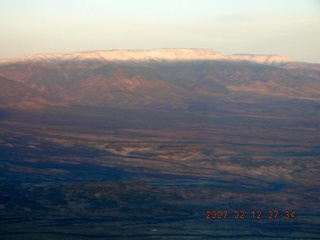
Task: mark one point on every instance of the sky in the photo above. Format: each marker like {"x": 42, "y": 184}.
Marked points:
{"x": 284, "y": 27}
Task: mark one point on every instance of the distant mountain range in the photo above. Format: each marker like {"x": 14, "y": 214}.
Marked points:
{"x": 151, "y": 55}
{"x": 162, "y": 78}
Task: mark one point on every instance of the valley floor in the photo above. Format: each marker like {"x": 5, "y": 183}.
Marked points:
{"x": 83, "y": 173}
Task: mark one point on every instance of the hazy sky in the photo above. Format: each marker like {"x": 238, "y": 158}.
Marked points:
{"x": 285, "y": 27}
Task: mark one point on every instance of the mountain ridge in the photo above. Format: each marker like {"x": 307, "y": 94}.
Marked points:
{"x": 147, "y": 79}
{"x": 182, "y": 54}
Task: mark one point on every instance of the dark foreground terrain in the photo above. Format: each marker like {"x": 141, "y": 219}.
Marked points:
{"x": 103, "y": 173}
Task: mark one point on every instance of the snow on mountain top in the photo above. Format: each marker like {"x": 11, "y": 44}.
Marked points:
{"x": 150, "y": 55}
{"x": 261, "y": 58}
{"x": 128, "y": 55}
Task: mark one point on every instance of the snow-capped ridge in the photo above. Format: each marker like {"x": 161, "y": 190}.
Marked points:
{"x": 128, "y": 55}
{"x": 150, "y": 55}
{"x": 263, "y": 58}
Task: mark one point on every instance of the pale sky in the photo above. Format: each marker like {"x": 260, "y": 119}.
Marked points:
{"x": 285, "y": 27}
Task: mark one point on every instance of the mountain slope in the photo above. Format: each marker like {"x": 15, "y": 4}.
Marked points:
{"x": 166, "y": 79}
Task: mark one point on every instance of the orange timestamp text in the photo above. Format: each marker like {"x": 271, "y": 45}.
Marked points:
{"x": 254, "y": 214}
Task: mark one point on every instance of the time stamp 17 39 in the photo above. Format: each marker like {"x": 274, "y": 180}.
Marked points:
{"x": 254, "y": 214}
